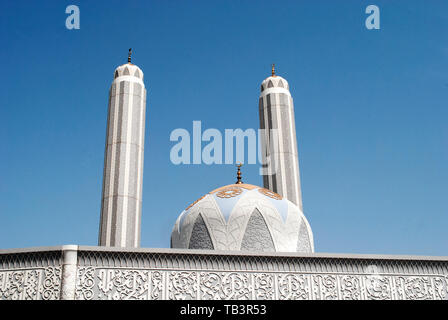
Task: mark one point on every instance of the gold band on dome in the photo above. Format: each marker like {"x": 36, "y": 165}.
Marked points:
{"x": 195, "y": 202}
{"x": 240, "y": 185}
{"x": 270, "y": 194}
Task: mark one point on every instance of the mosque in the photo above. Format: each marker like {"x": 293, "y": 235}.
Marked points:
{"x": 238, "y": 241}
{"x": 234, "y": 217}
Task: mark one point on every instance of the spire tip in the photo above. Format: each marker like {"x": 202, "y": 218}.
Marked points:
{"x": 238, "y": 174}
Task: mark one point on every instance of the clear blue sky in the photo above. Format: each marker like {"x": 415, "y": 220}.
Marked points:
{"x": 370, "y": 107}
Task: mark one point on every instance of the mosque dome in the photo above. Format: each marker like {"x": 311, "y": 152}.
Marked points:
{"x": 243, "y": 217}
{"x": 274, "y": 81}
{"x": 128, "y": 69}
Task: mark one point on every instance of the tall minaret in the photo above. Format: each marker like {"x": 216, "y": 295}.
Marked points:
{"x": 276, "y": 111}
{"x": 123, "y": 160}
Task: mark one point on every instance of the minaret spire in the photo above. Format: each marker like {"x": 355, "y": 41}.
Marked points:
{"x": 129, "y": 55}
{"x": 238, "y": 174}
{"x": 273, "y": 70}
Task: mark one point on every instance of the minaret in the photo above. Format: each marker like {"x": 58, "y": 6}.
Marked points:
{"x": 121, "y": 203}
{"x": 276, "y": 111}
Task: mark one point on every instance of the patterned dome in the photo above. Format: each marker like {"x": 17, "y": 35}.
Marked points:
{"x": 128, "y": 69}
{"x": 243, "y": 217}
{"x": 274, "y": 82}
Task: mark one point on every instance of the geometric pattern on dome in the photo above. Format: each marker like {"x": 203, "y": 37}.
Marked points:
{"x": 243, "y": 217}
{"x": 200, "y": 237}
{"x": 227, "y": 197}
{"x": 280, "y": 83}
{"x": 303, "y": 242}
{"x": 281, "y": 206}
{"x": 128, "y": 70}
{"x": 226, "y": 205}
{"x": 257, "y": 236}
{"x": 274, "y": 82}
{"x": 229, "y": 192}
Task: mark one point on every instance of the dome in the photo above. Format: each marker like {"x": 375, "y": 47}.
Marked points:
{"x": 128, "y": 69}
{"x": 243, "y": 217}
{"x": 274, "y": 82}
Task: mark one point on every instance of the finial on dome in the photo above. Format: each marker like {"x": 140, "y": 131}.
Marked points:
{"x": 273, "y": 70}
{"x": 129, "y": 55}
{"x": 238, "y": 174}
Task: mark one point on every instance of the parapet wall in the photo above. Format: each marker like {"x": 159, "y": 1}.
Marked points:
{"x": 79, "y": 272}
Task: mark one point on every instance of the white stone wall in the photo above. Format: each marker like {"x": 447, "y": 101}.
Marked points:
{"x": 164, "y": 274}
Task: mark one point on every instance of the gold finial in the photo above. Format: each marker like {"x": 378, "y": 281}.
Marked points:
{"x": 129, "y": 55}
{"x": 273, "y": 70}
{"x": 238, "y": 174}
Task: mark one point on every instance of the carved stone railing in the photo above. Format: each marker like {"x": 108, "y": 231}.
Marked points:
{"x": 30, "y": 274}
{"x": 79, "y": 272}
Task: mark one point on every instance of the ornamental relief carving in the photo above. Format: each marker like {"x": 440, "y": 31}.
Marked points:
{"x": 325, "y": 287}
{"x": 123, "y": 284}
{"x": 264, "y": 286}
{"x": 156, "y": 289}
{"x": 52, "y": 283}
{"x": 182, "y": 285}
{"x": 229, "y": 192}
{"x": 33, "y": 284}
{"x": 293, "y": 287}
{"x": 118, "y": 284}
{"x": 143, "y": 284}
{"x": 440, "y": 288}
{"x": 378, "y": 287}
{"x": 415, "y": 288}
{"x": 225, "y": 286}
{"x": 350, "y": 287}
{"x": 85, "y": 283}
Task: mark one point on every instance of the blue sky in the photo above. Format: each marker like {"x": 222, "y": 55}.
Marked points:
{"x": 370, "y": 108}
